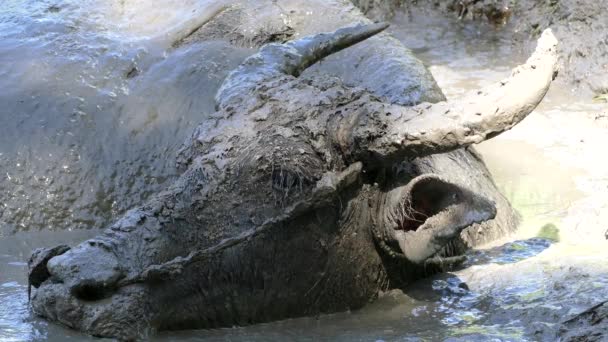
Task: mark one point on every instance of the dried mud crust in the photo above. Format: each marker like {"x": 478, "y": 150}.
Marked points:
{"x": 580, "y": 25}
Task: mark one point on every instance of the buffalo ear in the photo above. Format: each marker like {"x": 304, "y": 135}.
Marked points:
{"x": 429, "y": 212}
{"x": 37, "y": 271}
{"x": 424, "y": 197}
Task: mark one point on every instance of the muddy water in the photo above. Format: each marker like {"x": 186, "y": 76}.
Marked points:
{"x": 67, "y": 125}
{"x": 92, "y": 87}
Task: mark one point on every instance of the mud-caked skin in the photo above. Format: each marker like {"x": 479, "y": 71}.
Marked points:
{"x": 590, "y": 325}
{"x": 299, "y": 196}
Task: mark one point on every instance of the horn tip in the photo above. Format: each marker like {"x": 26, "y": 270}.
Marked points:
{"x": 546, "y": 50}
{"x": 547, "y": 40}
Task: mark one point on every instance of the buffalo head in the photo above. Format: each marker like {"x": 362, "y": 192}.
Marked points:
{"x": 295, "y": 198}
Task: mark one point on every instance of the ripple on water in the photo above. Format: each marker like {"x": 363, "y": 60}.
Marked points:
{"x": 15, "y": 322}
{"x": 508, "y": 253}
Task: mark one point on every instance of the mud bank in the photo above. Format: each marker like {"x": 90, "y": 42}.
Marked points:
{"x": 580, "y": 25}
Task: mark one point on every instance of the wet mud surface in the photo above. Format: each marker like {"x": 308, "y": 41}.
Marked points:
{"x": 92, "y": 103}
{"x": 580, "y": 25}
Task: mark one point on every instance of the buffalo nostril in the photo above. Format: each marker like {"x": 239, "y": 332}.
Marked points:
{"x": 491, "y": 209}
{"x": 90, "y": 291}
{"x": 37, "y": 264}
{"x": 88, "y": 271}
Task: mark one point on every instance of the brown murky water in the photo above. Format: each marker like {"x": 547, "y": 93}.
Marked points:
{"x": 66, "y": 126}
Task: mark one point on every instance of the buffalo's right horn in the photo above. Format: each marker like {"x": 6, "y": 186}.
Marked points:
{"x": 291, "y": 58}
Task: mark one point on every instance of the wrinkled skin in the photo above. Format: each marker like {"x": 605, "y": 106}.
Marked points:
{"x": 299, "y": 196}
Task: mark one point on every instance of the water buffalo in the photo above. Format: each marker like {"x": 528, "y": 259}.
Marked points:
{"x": 299, "y": 196}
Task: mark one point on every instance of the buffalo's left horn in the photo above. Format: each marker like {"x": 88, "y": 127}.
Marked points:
{"x": 383, "y": 133}
{"x": 290, "y": 58}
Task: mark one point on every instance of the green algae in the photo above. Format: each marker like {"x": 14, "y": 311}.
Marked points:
{"x": 549, "y": 231}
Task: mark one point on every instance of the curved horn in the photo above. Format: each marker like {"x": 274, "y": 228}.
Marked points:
{"x": 309, "y": 50}
{"x": 291, "y": 58}
{"x": 386, "y": 133}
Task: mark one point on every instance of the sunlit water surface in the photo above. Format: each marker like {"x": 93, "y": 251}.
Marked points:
{"x": 92, "y": 87}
